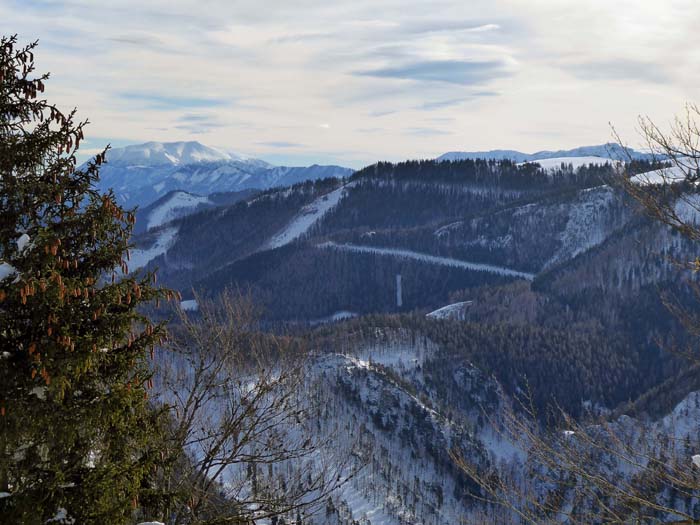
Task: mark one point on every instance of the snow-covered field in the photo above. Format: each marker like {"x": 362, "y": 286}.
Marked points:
{"x": 307, "y": 217}
{"x": 430, "y": 259}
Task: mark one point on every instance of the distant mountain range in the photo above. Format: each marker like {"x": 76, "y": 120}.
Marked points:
{"x": 141, "y": 174}
{"x": 610, "y": 151}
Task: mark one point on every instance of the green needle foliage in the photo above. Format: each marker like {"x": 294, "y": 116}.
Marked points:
{"x": 75, "y": 422}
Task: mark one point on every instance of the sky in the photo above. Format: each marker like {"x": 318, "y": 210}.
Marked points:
{"x": 351, "y": 82}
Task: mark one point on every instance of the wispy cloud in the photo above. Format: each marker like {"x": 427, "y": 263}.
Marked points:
{"x": 169, "y": 102}
{"x": 620, "y": 69}
{"x": 281, "y": 144}
{"x": 463, "y": 72}
{"x": 427, "y": 132}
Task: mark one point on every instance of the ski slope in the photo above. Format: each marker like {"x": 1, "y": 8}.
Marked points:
{"x": 430, "y": 259}
{"x": 307, "y": 217}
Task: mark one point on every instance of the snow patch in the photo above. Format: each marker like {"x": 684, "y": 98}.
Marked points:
{"x": 62, "y": 517}
{"x": 7, "y": 270}
{"x": 22, "y": 242}
{"x": 451, "y": 311}
{"x": 189, "y": 305}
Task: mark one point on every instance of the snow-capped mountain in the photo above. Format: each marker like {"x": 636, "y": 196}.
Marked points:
{"x": 610, "y": 151}
{"x": 170, "y": 154}
{"x": 141, "y": 174}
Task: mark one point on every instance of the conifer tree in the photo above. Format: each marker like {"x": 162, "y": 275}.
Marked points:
{"x": 75, "y": 423}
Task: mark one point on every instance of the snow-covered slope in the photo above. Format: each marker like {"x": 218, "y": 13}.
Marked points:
{"x": 140, "y": 174}
{"x": 538, "y": 235}
{"x": 307, "y": 217}
{"x": 670, "y": 175}
{"x": 172, "y": 206}
{"x": 162, "y": 241}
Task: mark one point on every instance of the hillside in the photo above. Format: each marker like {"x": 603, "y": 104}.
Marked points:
{"x": 514, "y": 278}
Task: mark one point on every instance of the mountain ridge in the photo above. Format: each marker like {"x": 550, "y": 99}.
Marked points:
{"x": 609, "y": 150}
{"x": 140, "y": 174}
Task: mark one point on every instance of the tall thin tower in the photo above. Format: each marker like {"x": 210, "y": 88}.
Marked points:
{"x": 399, "y": 295}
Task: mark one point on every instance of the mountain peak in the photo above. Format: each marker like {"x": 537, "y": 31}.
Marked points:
{"x": 168, "y": 154}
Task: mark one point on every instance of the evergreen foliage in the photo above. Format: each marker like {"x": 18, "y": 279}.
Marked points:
{"x": 74, "y": 414}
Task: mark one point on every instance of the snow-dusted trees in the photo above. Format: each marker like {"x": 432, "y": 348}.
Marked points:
{"x": 243, "y": 440}
{"x": 670, "y": 195}
{"x": 597, "y": 470}
{"x": 616, "y": 469}
{"x": 74, "y": 416}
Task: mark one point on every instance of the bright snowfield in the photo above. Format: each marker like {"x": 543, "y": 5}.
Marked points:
{"x": 451, "y": 311}
{"x": 168, "y": 210}
{"x": 140, "y": 258}
{"x": 307, "y": 217}
{"x": 430, "y": 259}
{"x": 576, "y": 162}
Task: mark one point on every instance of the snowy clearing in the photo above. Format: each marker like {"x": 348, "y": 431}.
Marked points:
{"x": 167, "y": 211}
{"x": 431, "y": 259}
{"x": 307, "y": 217}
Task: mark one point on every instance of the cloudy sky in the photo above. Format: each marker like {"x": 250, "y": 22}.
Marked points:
{"x": 355, "y": 81}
